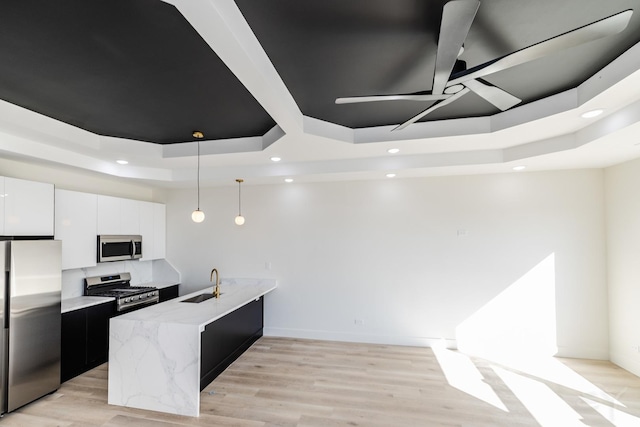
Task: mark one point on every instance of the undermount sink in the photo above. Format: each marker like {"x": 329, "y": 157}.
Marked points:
{"x": 199, "y": 298}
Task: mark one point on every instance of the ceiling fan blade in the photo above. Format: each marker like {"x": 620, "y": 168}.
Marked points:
{"x": 596, "y": 30}
{"x": 498, "y": 97}
{"x": 374, "y": 98}
{"x": 431, "y": 109}
{"x": 457, "y": 16}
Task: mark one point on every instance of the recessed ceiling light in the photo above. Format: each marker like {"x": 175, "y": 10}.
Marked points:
{"x": 288, "y": 180}
{"x": 393, "y": 150}
{"x": 519, "y": 168}
{"x": 391, "y": 175}
{"x": 275, "y": 159}
{"x": 591, "y": 114}
{"x": 122, "y": 162}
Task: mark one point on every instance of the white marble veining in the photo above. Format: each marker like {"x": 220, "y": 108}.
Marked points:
{"x": 154, "y": 366}
{"x": 154, "y": 353}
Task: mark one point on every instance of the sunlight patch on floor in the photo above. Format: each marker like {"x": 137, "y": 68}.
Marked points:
{"x": 462, "y": 373}
{"x": 553, "y": 370}
{"x": 549, "y": 409}
{"x": 517, "y": 329}
{"x": 615, "y": 416}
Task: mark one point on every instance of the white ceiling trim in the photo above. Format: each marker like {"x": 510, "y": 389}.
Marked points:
{"x": 532, "y": 130}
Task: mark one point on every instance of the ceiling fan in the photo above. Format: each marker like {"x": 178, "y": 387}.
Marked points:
{"x": 450, "y": 84}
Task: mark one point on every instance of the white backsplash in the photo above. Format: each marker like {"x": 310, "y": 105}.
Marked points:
{"x": 73, "y": 280}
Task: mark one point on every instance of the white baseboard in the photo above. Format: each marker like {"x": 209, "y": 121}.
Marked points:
{"x": 583, "y": 353}
{"x": 628, "y": 363}
{"x": 357, "y": 338}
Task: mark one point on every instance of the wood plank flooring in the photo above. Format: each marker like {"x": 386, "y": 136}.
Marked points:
{"x": 289, "y": 382}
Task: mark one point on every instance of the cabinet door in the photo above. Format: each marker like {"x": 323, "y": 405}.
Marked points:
{"x": 109, "y": 215}
{"x": 98, "y": 334}
{"x": 225, "y": 339}
{"x": 73, "y": 344}
{"x": 159, "y": 230}
{"x": 76, "y": 227}
{"x": 118, "y": 216}
{"x": 152, "y": 229}
{"x": 129, "y": 216}
{"x": 28, "y": 208}
{"x": 146, "y": 231}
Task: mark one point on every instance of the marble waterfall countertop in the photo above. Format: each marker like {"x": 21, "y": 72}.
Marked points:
{"x": 154, "y": 353}
{"x": 234, "y": 294}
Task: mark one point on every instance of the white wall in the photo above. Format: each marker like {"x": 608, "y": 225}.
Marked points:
{"x": 411, "y": 259}
{"x": 623, "y": 258}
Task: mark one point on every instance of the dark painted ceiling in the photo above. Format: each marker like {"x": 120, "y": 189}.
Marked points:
{"x": 125, "y": 68}
{"x": 136, "y": 68}
{"x": 327, "y": 49}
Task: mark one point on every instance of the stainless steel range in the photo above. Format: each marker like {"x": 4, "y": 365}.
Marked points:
{"x": 119, "y": 287}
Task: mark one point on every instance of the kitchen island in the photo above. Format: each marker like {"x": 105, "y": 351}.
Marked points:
{"x": 157, "y": 354}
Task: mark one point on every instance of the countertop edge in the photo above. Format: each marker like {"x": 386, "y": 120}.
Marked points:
{"x": 170, "y": 312}
{"x": 78, "y": 303}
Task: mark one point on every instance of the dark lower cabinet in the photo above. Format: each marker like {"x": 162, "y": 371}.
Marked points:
{"x": 168, "y": 293}
{"x": 224, "y": 340}
{"x": 85, "y": 339}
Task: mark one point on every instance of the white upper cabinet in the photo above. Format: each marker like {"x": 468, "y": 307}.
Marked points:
{"x": 81, "y": 217}
{"x": 108, "y": 215}
{"x": 130, "y": 216}
{"x": 146, "y": 230}
{"x": 76, "y": 227}
{"x": 118, "y": 216}
{"x": 152, "y": 229}
{"x": 28, "y": 208}
{"x": 126, "y": 216}
{"x": 159, "y": 230}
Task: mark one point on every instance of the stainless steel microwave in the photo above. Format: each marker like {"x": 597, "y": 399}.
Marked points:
{"x": 118, "y": 247}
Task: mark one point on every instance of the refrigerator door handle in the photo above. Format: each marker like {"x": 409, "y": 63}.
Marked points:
{"x": 5, "y": 299}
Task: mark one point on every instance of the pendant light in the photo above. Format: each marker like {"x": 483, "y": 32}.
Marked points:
{"x": 239, "y": 219}
{"x": 198, "y": 215}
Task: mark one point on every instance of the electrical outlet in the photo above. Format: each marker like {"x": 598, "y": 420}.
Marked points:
{"x": 358, "y": 322}
{"x": 636, "y": 348}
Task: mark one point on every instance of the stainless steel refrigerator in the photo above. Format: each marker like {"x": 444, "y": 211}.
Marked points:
{"x": 30, "y": 293}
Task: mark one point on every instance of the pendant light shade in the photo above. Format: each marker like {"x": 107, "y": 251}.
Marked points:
{"x": 198, "y": 215}
{"x": 239, "y": 219}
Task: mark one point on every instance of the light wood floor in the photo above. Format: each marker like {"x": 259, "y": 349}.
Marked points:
{"x": 288, "y": 382}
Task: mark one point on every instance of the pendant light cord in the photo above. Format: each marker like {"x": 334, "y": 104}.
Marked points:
{"x": 198, "y": 175}
{"x": 239, "y": 198}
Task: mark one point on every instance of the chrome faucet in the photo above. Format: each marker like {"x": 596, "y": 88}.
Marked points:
{"x": 216, "y": 290}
